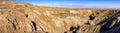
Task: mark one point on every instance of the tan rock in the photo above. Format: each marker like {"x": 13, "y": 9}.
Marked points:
{"x": 26, "y": 18}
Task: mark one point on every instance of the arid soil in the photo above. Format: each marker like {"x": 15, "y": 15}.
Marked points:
{"x": 16, "y": 17}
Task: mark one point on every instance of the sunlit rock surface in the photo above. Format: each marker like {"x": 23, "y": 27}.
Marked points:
{"x": 27, "y": 18}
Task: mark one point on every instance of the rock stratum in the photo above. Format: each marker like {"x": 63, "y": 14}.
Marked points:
{"x": 16, "y": 17}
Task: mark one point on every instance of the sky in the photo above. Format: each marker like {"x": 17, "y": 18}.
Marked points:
{"x": 75, "y": 3}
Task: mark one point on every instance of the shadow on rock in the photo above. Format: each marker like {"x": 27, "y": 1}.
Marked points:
{"x": 110, "y": 24}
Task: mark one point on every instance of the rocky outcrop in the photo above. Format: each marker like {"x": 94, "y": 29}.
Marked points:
{"x": 26, "y": 18}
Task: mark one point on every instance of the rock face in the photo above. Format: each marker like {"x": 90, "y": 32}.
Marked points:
{"x": 27, "y": 18}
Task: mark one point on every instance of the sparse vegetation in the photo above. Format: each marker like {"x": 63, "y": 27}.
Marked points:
{"x": 111, "y": 13}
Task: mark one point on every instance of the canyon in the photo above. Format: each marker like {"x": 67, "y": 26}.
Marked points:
{"x": 19, "y": 17}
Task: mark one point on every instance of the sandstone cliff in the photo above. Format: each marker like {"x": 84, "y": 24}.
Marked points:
{"x": 27, "y": 18}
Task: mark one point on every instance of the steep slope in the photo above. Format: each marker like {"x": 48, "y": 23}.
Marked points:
{"x": 26, "y": 18}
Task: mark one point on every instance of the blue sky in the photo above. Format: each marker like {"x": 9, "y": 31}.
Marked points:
{"x": 75, "y": 3}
